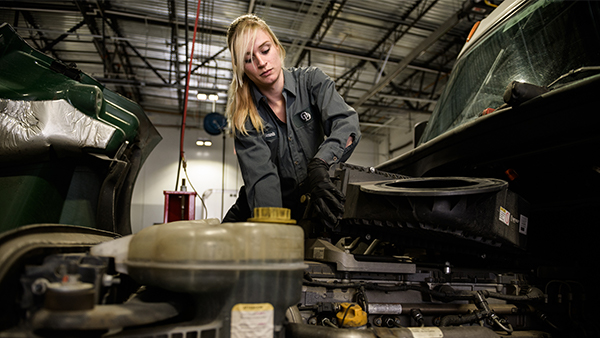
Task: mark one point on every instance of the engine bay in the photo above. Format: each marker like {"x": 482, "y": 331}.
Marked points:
{"x": 367, "y": 276}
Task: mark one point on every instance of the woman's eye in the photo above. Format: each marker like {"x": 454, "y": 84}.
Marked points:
{"x": 266, "y": 51}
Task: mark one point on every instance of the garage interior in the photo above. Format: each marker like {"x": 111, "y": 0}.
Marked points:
{"x": 391, "y": 61}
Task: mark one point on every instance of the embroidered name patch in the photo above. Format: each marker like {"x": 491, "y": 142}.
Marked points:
{"x": 270, "y": 135}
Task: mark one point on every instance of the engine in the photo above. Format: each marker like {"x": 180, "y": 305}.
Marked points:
{"x": 374, "y": 274}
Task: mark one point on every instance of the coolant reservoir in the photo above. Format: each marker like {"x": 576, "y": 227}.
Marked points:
{"x": 184, "y": 256}
{"x": 257, "y": 265}
{"x": 270, "y": 278}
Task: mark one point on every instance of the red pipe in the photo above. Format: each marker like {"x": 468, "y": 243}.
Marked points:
{"x": 187, "y": 84}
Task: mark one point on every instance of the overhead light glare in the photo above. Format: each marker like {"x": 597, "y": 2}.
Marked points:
{"x": 209, "y": 97}
{"x": 203, "y": 143}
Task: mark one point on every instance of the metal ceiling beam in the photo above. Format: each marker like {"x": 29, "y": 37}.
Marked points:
{"x": 362, "y": 56}
{"x": 99, "y": 42}
{"x": 443, "y": 52}
{"x": 174, "y": 62}
{"x": 31, "y": 20}
{"x": 106, "y": 80}
{"x": 392, "y": 32}
{"x": 321, "y": 49}
{"x": 160, "y": 21}
{"x": 120, "y": 48}
{"x": 205, "y": 61}
{"x": 113, "y": 23}
{"x": 431, "y": 95}
{"x": 302, "y": 37}
{"x": 381, "y": 125}
{"x": 406, "y": 98}
{"x": 321, "y": 29}
{"x": 445, "y": 27}
{"x": 393, "y": 109}
{"x": 395, "y": 88}
{"x": 63, "y": 36}
{"x": 145, "y": 61}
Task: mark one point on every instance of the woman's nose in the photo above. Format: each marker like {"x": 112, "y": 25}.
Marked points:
{"x": 260, "y": 61}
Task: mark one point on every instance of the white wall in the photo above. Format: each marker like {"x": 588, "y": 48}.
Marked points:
{"x": 205, "y": 171}
{"x": 365, "y": 153}
{"x": 399, "y": 140}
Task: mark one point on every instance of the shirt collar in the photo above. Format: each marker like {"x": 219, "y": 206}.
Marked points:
{"x": 289, "y": 84}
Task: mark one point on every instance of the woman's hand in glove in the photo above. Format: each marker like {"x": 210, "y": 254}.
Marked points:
{"x": 325, "y": 197}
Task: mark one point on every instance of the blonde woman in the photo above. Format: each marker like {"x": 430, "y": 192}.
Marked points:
{"x": 290, "y": 126}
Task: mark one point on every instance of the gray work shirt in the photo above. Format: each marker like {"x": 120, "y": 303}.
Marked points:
{"x": 318, "y": 124}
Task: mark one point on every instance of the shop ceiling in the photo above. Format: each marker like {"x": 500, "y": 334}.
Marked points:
{"x": 390, "y": 59}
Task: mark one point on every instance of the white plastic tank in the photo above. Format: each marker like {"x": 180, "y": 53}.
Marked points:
{"x": 247, "y": 273}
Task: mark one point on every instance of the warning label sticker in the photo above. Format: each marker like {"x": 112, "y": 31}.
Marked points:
{"x": 252, "y": 321}
{"x": 426, "y": 332}
{"x": 523, "y": 224}
{"x": 504, "y": 216}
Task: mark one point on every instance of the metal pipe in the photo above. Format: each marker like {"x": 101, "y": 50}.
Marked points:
{"x": 251, "y": 6}
{"x": 292, "y": 314}
{"x": 372, "y": 246}
{"x": 440, "y": 309}
{"x": 294, "y": 330}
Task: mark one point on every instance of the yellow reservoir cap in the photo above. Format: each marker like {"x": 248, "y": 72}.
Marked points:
{"x": 351, "y": 315}
{"x": 272, "y": 215}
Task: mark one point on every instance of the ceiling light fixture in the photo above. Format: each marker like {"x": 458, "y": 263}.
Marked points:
{"x": 201, "y": 142}
{"x": 209, "y": 97}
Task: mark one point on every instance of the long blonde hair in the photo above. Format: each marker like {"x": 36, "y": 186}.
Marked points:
{"x": 241, "y": 36}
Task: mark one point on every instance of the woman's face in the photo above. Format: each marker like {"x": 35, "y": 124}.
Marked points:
{"x": 262, "y": 64}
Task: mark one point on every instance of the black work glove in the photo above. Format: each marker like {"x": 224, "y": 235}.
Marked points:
{"x": 327, "y": 200}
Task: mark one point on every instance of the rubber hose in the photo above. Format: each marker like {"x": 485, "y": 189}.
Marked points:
{"x": 532, "y": 294}
{"x": 459, "y": 319}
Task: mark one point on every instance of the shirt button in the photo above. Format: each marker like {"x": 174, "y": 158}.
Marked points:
{"x": 289, "y": 138}
{"x": 335, "y": 158}
{"x": 296, "y": 162}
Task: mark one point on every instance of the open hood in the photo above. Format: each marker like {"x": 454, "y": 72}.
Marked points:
{"x": 70, "y": 149}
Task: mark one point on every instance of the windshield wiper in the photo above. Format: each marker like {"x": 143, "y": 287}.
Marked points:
{"x": 574, "y": 72}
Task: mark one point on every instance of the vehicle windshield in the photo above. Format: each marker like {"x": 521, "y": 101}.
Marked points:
{"x": 537, "y": 45}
